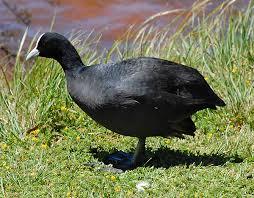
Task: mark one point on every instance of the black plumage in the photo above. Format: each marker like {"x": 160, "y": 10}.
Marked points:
{"x": 138, "y": 97}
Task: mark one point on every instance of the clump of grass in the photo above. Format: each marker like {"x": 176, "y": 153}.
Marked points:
{"x": 45, "y": 139}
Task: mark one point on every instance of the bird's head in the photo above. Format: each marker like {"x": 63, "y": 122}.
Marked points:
{"x": 56, "y": 46}
{"x": 49, "y": 45}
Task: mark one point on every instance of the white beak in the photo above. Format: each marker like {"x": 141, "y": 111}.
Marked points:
{"x": 32, "y": 54}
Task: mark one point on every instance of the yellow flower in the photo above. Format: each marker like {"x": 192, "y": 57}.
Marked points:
{"x": 234, "y": 70}
{"x": 78, "y": 138}
{"x": 129, "y": 193}
{"x": 117, "y": 188}
{"x": 3, "y": 146}
{"x": 44, "y": 146}
{"x": 113, "y": 178}
{"x": 168, "y": 141}
{"x": 63, "y": 108}
{"x": 68, "y": 195}
{"x": 209, "y": 136}
{"x": 248, "y": 82}
{"x": 35, "y": 139}
{"x": 35, "y": 132}
{"x": 206, "y": 78}
{"x": 33, "y": 173}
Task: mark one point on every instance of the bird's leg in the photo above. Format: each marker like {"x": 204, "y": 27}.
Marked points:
{"x": 126, "y": 161}
{"x": 139, "y": 154}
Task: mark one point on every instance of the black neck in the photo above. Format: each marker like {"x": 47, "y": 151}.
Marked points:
{"x": 69, "y": 59}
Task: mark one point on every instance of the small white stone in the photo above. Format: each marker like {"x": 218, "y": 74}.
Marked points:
{"x": 142, "y": 185}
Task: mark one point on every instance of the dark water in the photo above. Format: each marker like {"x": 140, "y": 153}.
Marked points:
{"x": 109, "y": 17}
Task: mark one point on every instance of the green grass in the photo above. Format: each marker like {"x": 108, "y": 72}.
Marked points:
{"x": 46, "y": 140}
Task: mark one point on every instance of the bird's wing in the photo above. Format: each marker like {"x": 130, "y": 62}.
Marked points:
{"x": 147, "y": 78}
{"x": 162, "y": 104}
{"x": 180, "y": 89}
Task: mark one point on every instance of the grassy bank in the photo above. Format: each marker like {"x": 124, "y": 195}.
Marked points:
{"x": 46, "y": 140}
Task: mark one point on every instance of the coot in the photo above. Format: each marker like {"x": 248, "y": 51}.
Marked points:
{"x": 139, "y": 97}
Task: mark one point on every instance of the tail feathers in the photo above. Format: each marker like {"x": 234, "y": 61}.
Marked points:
{"x": 220, "y": 102}
{"x": 215, "y": 100}
{"x": 207, "y": 101}
{"x": 199, "y": 104}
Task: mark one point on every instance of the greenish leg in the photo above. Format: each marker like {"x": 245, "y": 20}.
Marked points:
{"x": 139, "y": 154}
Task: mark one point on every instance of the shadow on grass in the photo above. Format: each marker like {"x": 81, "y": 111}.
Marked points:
{"x": 165, "y": 157}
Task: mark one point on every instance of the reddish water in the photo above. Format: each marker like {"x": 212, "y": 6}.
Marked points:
{"x": 111, "y": 17}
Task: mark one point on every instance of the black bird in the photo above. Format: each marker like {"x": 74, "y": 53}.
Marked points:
{"x": 139, "y": 97}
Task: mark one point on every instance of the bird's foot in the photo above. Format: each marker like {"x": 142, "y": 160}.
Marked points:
{"x": 121, "y": 160}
